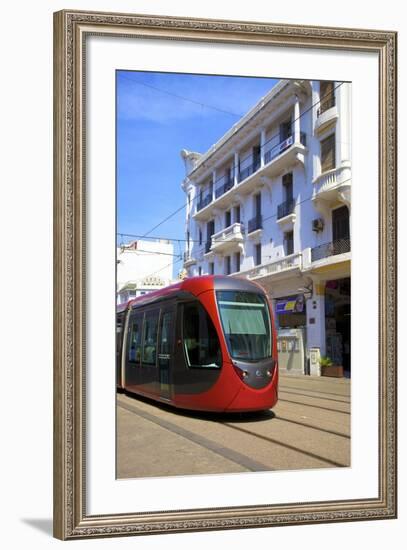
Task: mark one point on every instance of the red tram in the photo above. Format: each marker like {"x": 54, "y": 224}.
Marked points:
{"x": 206, "y": 343}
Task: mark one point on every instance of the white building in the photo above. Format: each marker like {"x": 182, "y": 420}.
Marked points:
{"x": 143, "y": 266}
{"x": 271, "y": 201}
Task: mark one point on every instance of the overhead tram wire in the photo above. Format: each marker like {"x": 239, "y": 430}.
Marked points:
{"x": 155, "y": 237}
{"x": 249, "y": 156}
{"x": 200, "y": 103}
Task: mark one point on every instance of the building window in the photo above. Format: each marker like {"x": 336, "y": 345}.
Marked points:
{"x": 200, "y": 236}
{"x": 288, "y": 186}
{"x": 326, "y": 96}
{"x": 228, "y": 218}
{"x": 227, "y": 265}
{"x": 285, "y": 130}
{"x": 256, "y": 157}
{"x": 211, "y": 268}
{"x": 328, "y": 160}
{"x": 199, "y": 270}
{"x": 237, "y": 213}
{"x": 237, "y": 261}
{"x": 289, "y": 243}
{"x": 257, "y": 254}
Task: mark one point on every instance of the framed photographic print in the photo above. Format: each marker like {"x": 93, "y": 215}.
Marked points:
{"x": 225, "y": 267}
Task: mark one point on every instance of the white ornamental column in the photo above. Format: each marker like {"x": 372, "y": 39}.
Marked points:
{"x": 213, "y": 184}
{"x": 236, "y": 168}
{"x": 297, "y": 136}
{"x": 262, "y": 146}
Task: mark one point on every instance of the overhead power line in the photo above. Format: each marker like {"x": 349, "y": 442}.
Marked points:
{"x": 321, "y": 99}
{"x": 200, "y": 103}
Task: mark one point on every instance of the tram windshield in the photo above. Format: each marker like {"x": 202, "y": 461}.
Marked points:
{"x": 246, "y": 324}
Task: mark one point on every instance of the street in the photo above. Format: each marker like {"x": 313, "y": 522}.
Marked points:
{"x": 308, "y": 428}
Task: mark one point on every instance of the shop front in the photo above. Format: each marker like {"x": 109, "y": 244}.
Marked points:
{"x": 290, "y": 312}
{"x": 338, "y": 322}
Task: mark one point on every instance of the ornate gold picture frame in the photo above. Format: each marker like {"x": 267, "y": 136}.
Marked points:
{"x": 72, "y": 29}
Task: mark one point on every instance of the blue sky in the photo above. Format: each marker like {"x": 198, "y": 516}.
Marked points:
{"x": 158, "y": 115}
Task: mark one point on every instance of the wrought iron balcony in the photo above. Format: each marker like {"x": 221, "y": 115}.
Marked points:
{"x": 285, "y": 208}
{"x": 204, "y": 202}
{"x": 224, "y": 187}
{"x": 276, "y": 150}
{"x": 254, "y": 224}
{"x": 340, "y": 246}
{"x": 249, "y": 170}
{"x": 326, "y": 103}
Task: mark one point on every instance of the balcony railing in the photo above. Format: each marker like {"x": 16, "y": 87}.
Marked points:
{"x": 249, "y": 170}
{"x": 289, "y": 262}
{"x": 204, "y": 202}
{"x": 340, "y": 246}
{"x": 326, "y": 104}
{"x": 285, "y": 208}
{"x": 275, "y": 151}
{"x": 228, "y": 236}
{"x": 224, "y": 187}
{"x": 254, "y": 224}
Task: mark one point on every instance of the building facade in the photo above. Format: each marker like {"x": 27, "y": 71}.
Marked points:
{"x": 143, "y": 266}
{"x": 271, "y": 201}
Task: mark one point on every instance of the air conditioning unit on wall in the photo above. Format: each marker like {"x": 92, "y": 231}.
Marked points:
{"x": 317, "y": 225}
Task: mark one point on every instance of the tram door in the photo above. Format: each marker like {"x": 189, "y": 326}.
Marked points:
{"x": 166, "y": 350}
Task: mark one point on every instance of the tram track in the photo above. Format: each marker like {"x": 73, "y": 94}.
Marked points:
{"x": 225, "y": 452}
{"x": 344, "y": 401}
{"x": 283, "y": 387}
{"x": 235, "y": 456}
{"x": 313, "y": 406}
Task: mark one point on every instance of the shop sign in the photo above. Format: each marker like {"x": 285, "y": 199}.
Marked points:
{"x": 294, "y": 304}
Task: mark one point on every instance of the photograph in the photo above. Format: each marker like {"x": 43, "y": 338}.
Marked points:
{"x": 233, "y": 273}
{"x": 224, "y": 259}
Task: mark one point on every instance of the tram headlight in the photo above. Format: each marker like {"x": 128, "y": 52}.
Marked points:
{"x": 240, "y": 372}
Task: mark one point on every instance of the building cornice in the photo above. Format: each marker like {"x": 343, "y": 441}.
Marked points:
{"x": 203, "y": 162}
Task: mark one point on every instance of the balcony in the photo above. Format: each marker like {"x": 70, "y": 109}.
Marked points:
{"x": 326, "y": 103}
{"x": 255, "y": 224}
{"x": 275, "y": 268}
{"x": 333, "y": 248}
{"x": 278, "y": 149}
{"x": 188, "y": 259}
{"x": 248, "y": 170}
{"x": 224, "y": 187}
{"x": 331, "y": 187}
{"x": 203, "y": 202}
{"x": 227, "y": 239}
{"x": 285, "y": 153}
{"x": 327, "y": 114}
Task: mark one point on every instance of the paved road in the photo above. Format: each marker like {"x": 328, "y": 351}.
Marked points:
{"x": 308, "y": 428}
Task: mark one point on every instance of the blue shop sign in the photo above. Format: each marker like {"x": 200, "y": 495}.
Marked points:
{"x": 294, "y": 304}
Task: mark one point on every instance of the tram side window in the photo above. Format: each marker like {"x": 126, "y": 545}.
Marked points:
{"x": 119, "y": 331}
{"x": 150, "y": 338}
{"x": 201, "y": 342}
{"x": 165, "y": 343}
{"x": 135, "y": 339}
